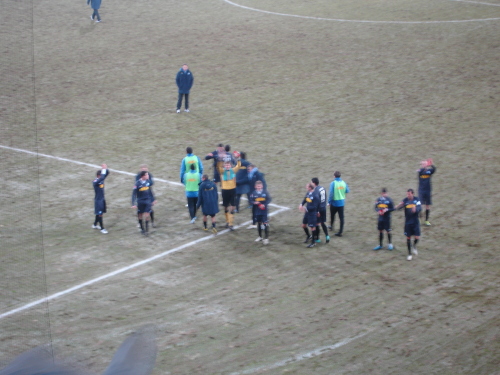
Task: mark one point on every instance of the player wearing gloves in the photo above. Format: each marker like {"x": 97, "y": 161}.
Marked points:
{"x": 384, "y": 206}
{"x": 260, "y": 199}
{"x": 412, "y": 208}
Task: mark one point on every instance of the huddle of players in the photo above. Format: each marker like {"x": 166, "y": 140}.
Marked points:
{"x": 412, "y": 206}
{"x": 231, "y": 171}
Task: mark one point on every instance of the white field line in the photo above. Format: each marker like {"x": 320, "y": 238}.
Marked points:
{"x": 300, "y": 357}
{"x": 113, "y": 170}
{"x": 477, "y": 2}
{"x": 367, "y": 21}
{"x": 125, "y": 269}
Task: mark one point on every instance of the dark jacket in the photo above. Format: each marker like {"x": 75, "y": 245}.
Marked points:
{"x": 94, "y": 4}
{"x": 208, "y": 198}
{"x": 242, "y": 182}
{"x": 184, "y": 80}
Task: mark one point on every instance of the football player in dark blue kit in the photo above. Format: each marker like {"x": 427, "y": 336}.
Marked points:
{"x": 143, "y": 199}
{"x": 384, "y": 206}
{"x": 99, "y": 200}
{"x": 427, "y": 169}
{"x": 321, "y": 193}
{"x": 144, "y": 167}
{"x": 260, "y": 199}
{"x": 310, "y": 206}
{"x": 412, "y": 208}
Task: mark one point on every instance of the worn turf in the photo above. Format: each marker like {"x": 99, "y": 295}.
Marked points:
{"x": 303, "y": 97}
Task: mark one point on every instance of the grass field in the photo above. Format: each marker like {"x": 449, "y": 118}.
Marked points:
{"x": 369, "y": 88}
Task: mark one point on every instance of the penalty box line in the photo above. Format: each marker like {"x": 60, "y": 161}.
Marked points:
{"x": 125, "y": 269}
{"x": 113, "y": 170}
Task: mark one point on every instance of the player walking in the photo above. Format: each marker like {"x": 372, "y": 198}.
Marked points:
{"x": 384, "y": 206}
{"x": 99, "y": 200}
{"x": 261, "y": 198}
{"x": 321, "y": 193}
{"x": 412, "y": 208}
{"x": 427, "y": 169}
{"x": 309, "y": 207}
{"x": 143, "y": 199}
{"x": 208, "y": 200}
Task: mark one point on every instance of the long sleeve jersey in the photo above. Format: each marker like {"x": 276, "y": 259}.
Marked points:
{"x": 384, "y": 202}
{"x": 98, "y": 184}
{"x": 261, "y": 197}
{"x": 410, "y": 216}
{"x": 142, "y": 192}
{"x": 424, "y": 178}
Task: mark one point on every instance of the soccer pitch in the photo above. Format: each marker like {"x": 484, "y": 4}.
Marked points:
{"x": 369, "y": 88}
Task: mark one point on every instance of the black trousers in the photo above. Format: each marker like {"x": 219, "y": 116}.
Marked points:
{"x": 179, "y": 101}
{"x": 192, "y": 206}
{"x": 340, "y": 211}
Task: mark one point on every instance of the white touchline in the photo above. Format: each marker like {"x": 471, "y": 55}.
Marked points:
{"x": 125, "y": 269}
{"x": 367, "y": 21}
{"x": 300, "y": 357}
{"x": 98, "y": 166}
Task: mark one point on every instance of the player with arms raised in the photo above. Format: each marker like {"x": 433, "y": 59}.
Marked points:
{"x": 427, "y": 169}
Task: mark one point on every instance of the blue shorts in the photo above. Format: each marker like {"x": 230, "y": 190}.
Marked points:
{"x": 425, "y": 197}
{"x": 261, "y": 218}
{"x": 99, "y": 207}
{"x": 310, "y": 218}
{"x": 412, "y": 230}
{"x": 384, "y": 225}
{"x": 144, "y": 207}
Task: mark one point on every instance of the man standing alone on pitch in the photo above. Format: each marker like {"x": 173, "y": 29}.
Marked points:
{"x": 95, "y": 5}
{"x": 99, "y": 201}
{"x": 184, "y": 80}
{"x": 427, "y": 169}
{"x": 338, "y": 190}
